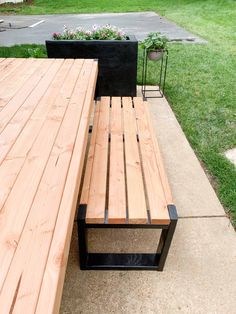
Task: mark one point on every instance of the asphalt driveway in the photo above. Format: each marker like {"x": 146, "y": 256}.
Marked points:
{"x": 30, "y": 29}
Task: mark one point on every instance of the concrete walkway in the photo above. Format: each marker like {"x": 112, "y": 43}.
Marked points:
{"x": 200, "y": 273}
{"x": 37, "y": 28}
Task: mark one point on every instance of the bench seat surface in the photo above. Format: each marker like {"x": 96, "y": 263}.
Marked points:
{"x": 45, "y": 105}
{"x": 125, "y": 179}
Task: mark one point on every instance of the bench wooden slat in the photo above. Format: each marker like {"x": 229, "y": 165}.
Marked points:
{"x": 56, "y": 265}
{"x": 117, "y": 197}
{"x": 153, "y": 179}
{"x": 89, "y": 164}
{"x": 97, "y": 193}
{"x": 135, "y": 188}
{"x": 25, "y": 187}
{"x": 35, "y": 245}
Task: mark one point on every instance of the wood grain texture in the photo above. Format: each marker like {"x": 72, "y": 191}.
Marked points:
{"x": 56, "y": 265}
{"x": 153, "y": 176}
{"x": 14, "y": 116}
{"x": 27, "y": 182}
{"x": 98, "y": 184}
{"x": 90, "y": 158}
{"x": 8, "y": 66}
{"x": 117, "y": 197}
{"x": 135, "y": 186}
{"x": 162, "y": 170}
{"x": 11, "y": 85}
{"x": 39, "y": 174}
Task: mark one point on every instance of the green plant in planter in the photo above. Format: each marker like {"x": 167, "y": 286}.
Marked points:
{"x": 155, "y": 44}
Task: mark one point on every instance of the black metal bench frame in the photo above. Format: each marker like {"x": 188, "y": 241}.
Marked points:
{"x": 125, "y": 261}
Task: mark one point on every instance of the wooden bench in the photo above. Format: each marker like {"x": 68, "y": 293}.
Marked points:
{"x": 125, "y": 184}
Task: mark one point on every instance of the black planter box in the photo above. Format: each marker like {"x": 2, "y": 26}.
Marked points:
{"x": 117, "y": 62}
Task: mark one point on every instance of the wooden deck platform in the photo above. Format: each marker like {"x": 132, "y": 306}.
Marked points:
{"x": 45, "y": 106}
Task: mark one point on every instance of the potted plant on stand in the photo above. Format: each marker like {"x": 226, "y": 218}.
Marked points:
{"x": 116, "y": 53}
{"x": 155, "y": 45}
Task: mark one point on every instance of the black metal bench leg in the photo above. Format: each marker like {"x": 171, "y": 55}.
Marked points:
{"x": 125, "y": 261}
{"x": 82, "y": 235}
{"x": 166, "y": 237}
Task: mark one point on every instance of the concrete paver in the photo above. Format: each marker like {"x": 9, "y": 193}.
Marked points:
{"x": 138, "y": 24}
{"x": 199, "y": 277}
{"x": 192, "y": 192}
{"x": 200, "y": 272}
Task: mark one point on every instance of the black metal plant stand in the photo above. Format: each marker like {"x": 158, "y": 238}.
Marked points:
{"x": 161, "y": 76}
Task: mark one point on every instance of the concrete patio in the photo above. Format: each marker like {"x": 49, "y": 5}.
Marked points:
{"x": 200, "y": 273}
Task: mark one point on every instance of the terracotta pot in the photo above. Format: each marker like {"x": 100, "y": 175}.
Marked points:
{"x": 155, "y": 55}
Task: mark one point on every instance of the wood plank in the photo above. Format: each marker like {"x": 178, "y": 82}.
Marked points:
{"x": 97, "y": 193}
{"x": 14, "y": 161}
{"x": 18, "y": 100}
{"x": 2, "y": 59}
{"x": 56, "y": 265}
{"x": 89, "y": 164}
{"x": 25, "y": 187}
{"x": 36, "y": 238}
{"x": 8, "y": 66}
{"x": 135, "y": 188}
{"x": 14, "y": 116}
{"x": 10, "y": 86}
{"x": 160, "y": 162}
{"x": 153, "y": 180}
{"x": 43, "y": 99}
{"x": 117, "y": 196}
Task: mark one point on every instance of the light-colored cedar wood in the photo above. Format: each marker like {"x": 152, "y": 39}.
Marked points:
{"x": 25, "y": 186}
{"x": 11, "y": 166}
{"x": 135, "y": 187}
{"x": 8, "y": 66}
{"x": 165, "y": 182}
{"x": 57, "y": 260}
{"x": 43, "y": 97}
{"x": 26, "y": 138}
{"x": 153, "y": 180}
{"x": 63, "y": 230}
{"x": 97, "y": 193}
{"x": 90, "y": 158}
{"x": 117, "y": 197}
{"x": 16, "y": 80}
{"x": 14, "y": 116}
{"x": 2, "y": 59}
{"x": 22, "y": 94}
{"x": 4, "y": 62}
{"x": 36, "y": 237}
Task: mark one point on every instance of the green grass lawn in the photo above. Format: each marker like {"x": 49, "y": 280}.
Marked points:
{"x": 201, "y": 78}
